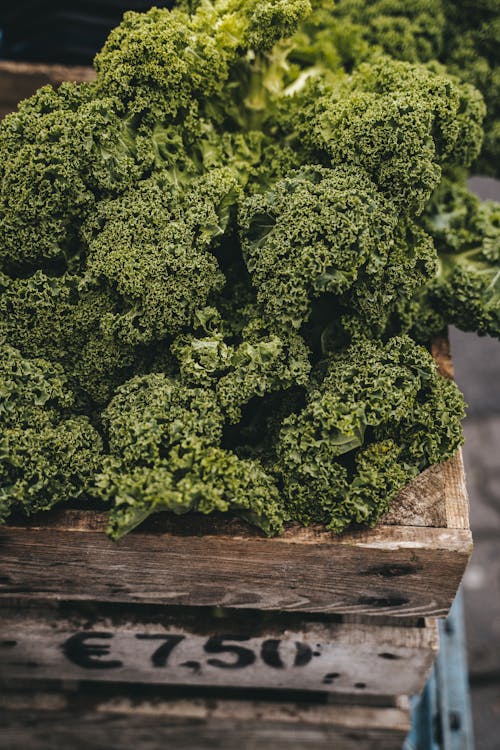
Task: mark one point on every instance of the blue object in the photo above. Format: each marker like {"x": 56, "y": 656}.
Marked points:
{"x": 441, "y": 716}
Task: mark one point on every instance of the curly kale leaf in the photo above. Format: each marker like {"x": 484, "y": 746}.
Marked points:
{"x": 382, "y": 405}
{"x": 58, "y": 152}
{"x": 405, "y": 31}
{"x": 165, "y": 455}
{"x": 64, "y": 319}
{"x": 471, "y": 52}
{"x": 330, "y": 235}
{"x": 466, "y": 288}
{"x": 147, "y": 269}
{"x": 152, "y": 246}
{"x": 314, "y": 232}
{"x": 461, "y": 34}
{"x": 399, "y": 122}
{"x": 380, "y": 474}
{"x": 151, "y": 413}
{"x": 203, "y": 480}
{"x": 48, "y": 454}
{"x": 265, "y": 361}
{"x": 162, "y": 63}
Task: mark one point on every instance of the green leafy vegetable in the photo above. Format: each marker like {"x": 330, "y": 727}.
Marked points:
{"x": 217, "y": 259}
{"x": 386, "y": 400}
{"x": 47, "y": 452}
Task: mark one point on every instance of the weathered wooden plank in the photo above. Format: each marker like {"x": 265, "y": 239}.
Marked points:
{"x": 407, "y": 571}
{"x": 437, "y": 498}
{"x": 19, "y": 80}
{"x": 199, "y": 725}
{"x": 206, "y": 650}
{"x": 442, "y": 354}
{"x": 89, "y": 732}
{"x": 455, "y": 492}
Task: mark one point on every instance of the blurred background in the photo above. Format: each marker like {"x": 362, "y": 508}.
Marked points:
{"x": 61, "y": 32}
{"x": 477, "y": 371}
{"x": 71, "y": 33}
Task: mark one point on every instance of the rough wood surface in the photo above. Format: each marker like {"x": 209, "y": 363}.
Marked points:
{"x": 436, "y": 498}
{"x": 89, "y": 732}
{"x": 198, "y": 725}
{"x": 19, "y": 80}
{"x": 442, "y": 354}
{"x": 206, "y": 650}
{"x": 399, "y": 570}
{"x": 406, "y": 569}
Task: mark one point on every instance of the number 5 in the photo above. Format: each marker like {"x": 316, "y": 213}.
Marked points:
{"x": 215, "y": 645}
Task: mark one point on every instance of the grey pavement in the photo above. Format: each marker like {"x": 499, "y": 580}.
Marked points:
{"x": 477, "y": 371}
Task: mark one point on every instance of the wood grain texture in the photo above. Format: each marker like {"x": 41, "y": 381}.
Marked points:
{"x": 19, "y": 80}
{"x": 398, "y": 570}
{"x": 442, "y": 354}
{"x": 436, "y": 498}
{"x": 60, "y": 731}
{"x": 237, "y": 652}
{"x": 198, "y": 724}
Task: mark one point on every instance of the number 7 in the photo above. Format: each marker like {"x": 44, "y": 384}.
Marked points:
{"x": 160, "y": 657}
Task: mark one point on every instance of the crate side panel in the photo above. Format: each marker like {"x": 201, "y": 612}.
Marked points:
{"x": 385, "y": 571}
{"x": 204, "y": 724}
{"x": 230, "y": 652}
{"x": 46, "y": 732}
{"x": 19, "y": 80}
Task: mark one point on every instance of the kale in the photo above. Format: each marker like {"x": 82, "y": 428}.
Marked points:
{"x": 219, "y": 260}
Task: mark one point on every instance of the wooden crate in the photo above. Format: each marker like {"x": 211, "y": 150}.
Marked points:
{"x": 216, "y": 649}
{"x": 20, "y": 80}
{"x": 409, "y": 565}
{"x": 80, "y": 610}
{"x": 58, "y": 721}
{"x": 202, "y": 632}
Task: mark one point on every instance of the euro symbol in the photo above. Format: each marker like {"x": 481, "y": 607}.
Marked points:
{"x": 81, "y": 651}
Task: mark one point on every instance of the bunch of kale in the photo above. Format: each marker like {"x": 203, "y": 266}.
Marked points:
{"x": 217, "y": 259}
